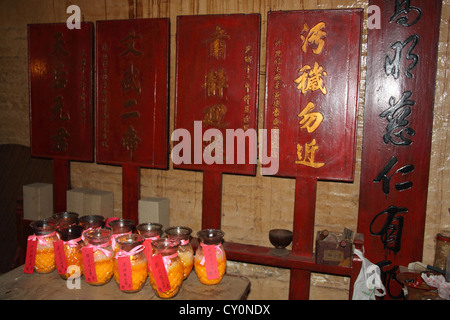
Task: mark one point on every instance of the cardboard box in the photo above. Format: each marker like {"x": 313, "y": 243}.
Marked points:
{"x": 154, "y": 210}
{"x": 90, "y": 201}
{"x": 334, "y": 250}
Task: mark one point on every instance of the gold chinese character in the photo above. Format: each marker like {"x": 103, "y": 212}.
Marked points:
{"x": 213, "y": 116}
{"x": 311, "y": 79}
{"x": 308, "y": 158}
{"x": 130, "y": 140}
{"x": 311, "y": 120}
{"x": 215, "y": 82}
{"x": 59, "y": 80}
{"x": 314, "y": 36}
{"x": 58, "y": 45}
{"x": 217, "y": 44}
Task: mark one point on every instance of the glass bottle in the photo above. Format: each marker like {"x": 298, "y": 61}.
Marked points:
{"x": 45, "y": 235}
{"x": 65, "y": 218}
{"x": 131, "y": 246}
{"x": 211, "y": 241}
{"x": 71, "y": 236}
{"x": 172, "y": 266}
{"x": 120, "y": 227}
{"x": 99, "y": 241}
{"x": 442, "y": 249}
{"x": 185, "y": 250}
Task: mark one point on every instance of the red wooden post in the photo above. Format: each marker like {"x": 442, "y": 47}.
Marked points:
{"x": 61, "y": 183}
{"x": 212, "y": 199}
{"x": 131, "y": 192}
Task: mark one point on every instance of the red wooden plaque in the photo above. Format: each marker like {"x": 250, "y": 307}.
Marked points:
{"x": 312, "y": 83}
{"x": 398, "y": 119}
{"x": 60, "y": 84}
{"x": 216, "y": 92}
{"x": 132, "y": 96}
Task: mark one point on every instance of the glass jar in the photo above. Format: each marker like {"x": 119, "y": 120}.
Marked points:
{"x": 131, "y": 246}
{"x": 210, "y": 239}
{"x": 66, "y": 218}
{"x": 120, "y": 227}
{"x": 45, "y": 235}
{"x": 92, "y": 222}
{"x": 172, "y": 267}
{"x": 442, "y": 249}
{"x": 150, "y": 231}
{"x": 99, "y": 241}
{"x": 71, "y": 236}
{"x": 185, "y": 250}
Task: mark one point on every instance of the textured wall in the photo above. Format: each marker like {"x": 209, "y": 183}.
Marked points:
{"x": 251, "y": 206}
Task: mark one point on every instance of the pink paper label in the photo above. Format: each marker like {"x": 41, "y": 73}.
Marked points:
{"x": 60, "y": 257}
{"x": 148, "y": 249}
{"x": 159, "y": 273}
{"x": 125, "y": 280}
{"x": 212, "y": 270}
{"x": 88, "y": 263}
{"x": 30, "y": 257}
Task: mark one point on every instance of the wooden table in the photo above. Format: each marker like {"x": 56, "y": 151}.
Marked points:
{"x": 17, "y": 285}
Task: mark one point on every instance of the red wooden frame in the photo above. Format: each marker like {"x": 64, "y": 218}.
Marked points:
{"x": 61, "y": 120}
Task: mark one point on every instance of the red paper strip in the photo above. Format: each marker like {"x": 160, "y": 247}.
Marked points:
{"x": 212, "y": 269}
{"x": 88, "y": 264}
{"x": 61, "y": 85}
{"x": 159, "y": 273}
{"x": 132, "y": 95}
{"x": 31, "y": 256}
{"x": 60, "y": 257}
{"x": 125, "y": 279}
{"x": 312, "y": 79}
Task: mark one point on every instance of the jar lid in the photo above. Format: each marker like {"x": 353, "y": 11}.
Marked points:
{"x": 121, "y": 225}
{"x": 92, "y": 221}
{"x": 178, "y": 232}
{"x": 69, "y": 232}
{"x": 66, "y": 217}
{"x": 166, "y": 246}
{"x": 444, "y": 235}
{"x": 211, "y": 236}
{"x": 97, "y": 236}
{"x": 127, "y": 242}
{"x": 43, "y": 226}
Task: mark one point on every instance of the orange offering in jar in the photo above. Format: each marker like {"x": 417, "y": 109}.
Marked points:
{"x": 185, "y": 250}
{"x": 210, "y": 259}
{"x": 131, "y": 250}
{"x": 71, "y": 236}
{"x": 166, "y": 278}
{"x": 45, "y": 235}
{"x": 98, "y": 257}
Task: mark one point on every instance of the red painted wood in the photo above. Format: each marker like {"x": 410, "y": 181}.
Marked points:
{"x": 131, "y": 192}
{"x": 61, "y": 183}
{"x": 212, "y": 199}
{"x": 60, "y": 83}
{"x": 217, "y": 84}
{"x": 132, "y": 100}
{"x": 396, "y": 145}
{"x": 132, "y": 96}
{"x": 60, "y": 65}
{"x": 312, "y": 80}
{"x": 312, "y": 88}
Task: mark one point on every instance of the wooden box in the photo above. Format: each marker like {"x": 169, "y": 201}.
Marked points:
{"x": 333, "y": 250}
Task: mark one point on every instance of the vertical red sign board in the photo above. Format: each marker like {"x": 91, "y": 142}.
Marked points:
{"x": 398, "y": 119}
{"x": 312, "y": 79}
{"x": 132, "y": 99}
{"x": 216, "y": 94}
{"x": 60, "y": 86}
